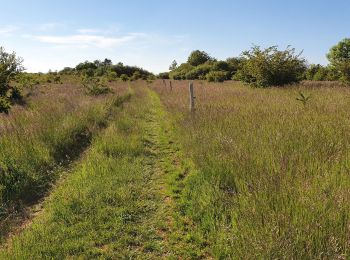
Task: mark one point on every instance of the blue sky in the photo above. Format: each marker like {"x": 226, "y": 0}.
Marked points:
{"x": 152, "y": 33}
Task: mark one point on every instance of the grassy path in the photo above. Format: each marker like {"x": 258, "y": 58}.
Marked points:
{"x": 121, "y": 200}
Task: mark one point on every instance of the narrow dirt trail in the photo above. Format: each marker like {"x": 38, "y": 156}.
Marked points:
{"x": 168, "y": 173}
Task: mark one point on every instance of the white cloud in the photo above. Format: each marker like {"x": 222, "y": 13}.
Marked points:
{"x": 85, "y": 40}
{"x": 89, "y": 31}
{"x": 49, "y": 26}
{"x": 8, "y": 29}
{"x": 109, "y": 30}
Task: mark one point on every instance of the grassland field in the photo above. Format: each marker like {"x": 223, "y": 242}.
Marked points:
{"x": 133, "y": 174}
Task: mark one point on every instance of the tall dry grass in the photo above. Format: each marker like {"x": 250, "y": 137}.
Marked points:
{"x": 273, "y": 174}
{"x": 54, "y": 126}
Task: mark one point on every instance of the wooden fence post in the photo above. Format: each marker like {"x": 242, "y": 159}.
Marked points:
{"x": 171, "y": 85}
{"x": 164, "y": 82}
{"x": 192, "y": 97}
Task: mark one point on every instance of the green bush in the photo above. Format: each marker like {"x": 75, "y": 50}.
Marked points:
{"x": 25, "y": 80}
{"x": 10, "y": 67}
{"x": 173, "y": 65}
{"x": 163, "y": 75}
{"x": 221, "y": 66}
{"x": 339, "y": 57}
{"x": 94, "y": 86}
{"x": 136, "y": 75}
{"x": 150, "y": 79}
{"x": 5, "y": 105}
{"x": 216, "y": 76}
{"x": 199, "y": 72}
{"x": 124, "y": 77}
{"x": 111, "y": 76}
{"x": 199, "y": 64}
{"x": 181, "y": 71}
{"x": 198, "y": 57}
{"x": 16, "y": 93}
{"x": 271, "y": 67}
{"x": 318, "y": 72}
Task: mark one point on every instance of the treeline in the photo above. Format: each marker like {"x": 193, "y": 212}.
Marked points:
{"x": 214, "y": 70}
{"x": 107, "y": 69}
{"x": 264, "y": 67}
{"x": 201, "y": 66}
{"x": 317, "y": 72}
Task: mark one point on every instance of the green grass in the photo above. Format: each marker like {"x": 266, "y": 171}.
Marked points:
{"x": 115, "y": 203}
{"x": 272, "y": 177}
{"x": 252, "y": 174}
{"x": 40, "y": 139}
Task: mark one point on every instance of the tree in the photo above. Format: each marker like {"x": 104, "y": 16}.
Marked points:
{"x": 234, "y": 64}
{"x": 163, "y": 75}
{"x": 107, "y": 62}
{"x": 10, "y": 67}
{"x": 216, "y": 76}
{"x": 317, "y": 72}
{"x": 271, "y": 67}
{"x": 339, "y": 58}
{"x": 198, "y": 57}
{"x": 173, "y": 65}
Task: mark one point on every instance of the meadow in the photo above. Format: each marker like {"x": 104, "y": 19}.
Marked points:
{"x": 250, "y": 174}
{"x": 42, "y": 136}
{"x": 272, "y": 173}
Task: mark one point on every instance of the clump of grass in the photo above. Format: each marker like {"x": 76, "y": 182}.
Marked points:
{"x": 272, "y": 179}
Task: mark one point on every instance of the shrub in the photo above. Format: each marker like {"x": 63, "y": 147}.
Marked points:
{"x": 124, "y": 77}
{"x": 333, "y": 74}
{"x": 181, "y": 71}
{"x": 25, "y": 80}
{"x": 10, "y": 67}
{"x": 111, "y": 76}
{"x": 234, "y": 63}
{"x": 57, "y": 79}
{"x": 67, "y": 71}
{"x": 271, "y": 67}
{"x": 216, "y": 76}
{"x": 321, "y": 74}
{"x": 163, "y": 75}
{"x": 221, "y": 66}
{"x": 173, "y": 65}
{"x": 120, "y": 69}
{"x": 198, "y": 57}
{"x": 200, "y": 64}
{"x": 5, "y": 105}
{"x": 150, "y": 79}
{"x": 136, "y": 75}
{"x": 339, "y": 57}
{"x": 16, "y": 93}
{"x": 94, "y": 86}
{"x": 311, "y": 71}
{"x": 199, "y": 72}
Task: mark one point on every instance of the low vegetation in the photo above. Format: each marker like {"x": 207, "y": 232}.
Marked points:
{"x": 339, "y": 57}
{"x": 201, "y": 66}
{"x": 257, "y": 172}
{"x": 272, "y": 169}
{"x": 263, "y": 67}
{"x": 107, "y": 69}
{"x": 10, "y": 67}
{"x": 271, "y": 67}
{"x": 96, "y": 203}
{"x": 95, "y": 86}
{"x": 55, "y": 126}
